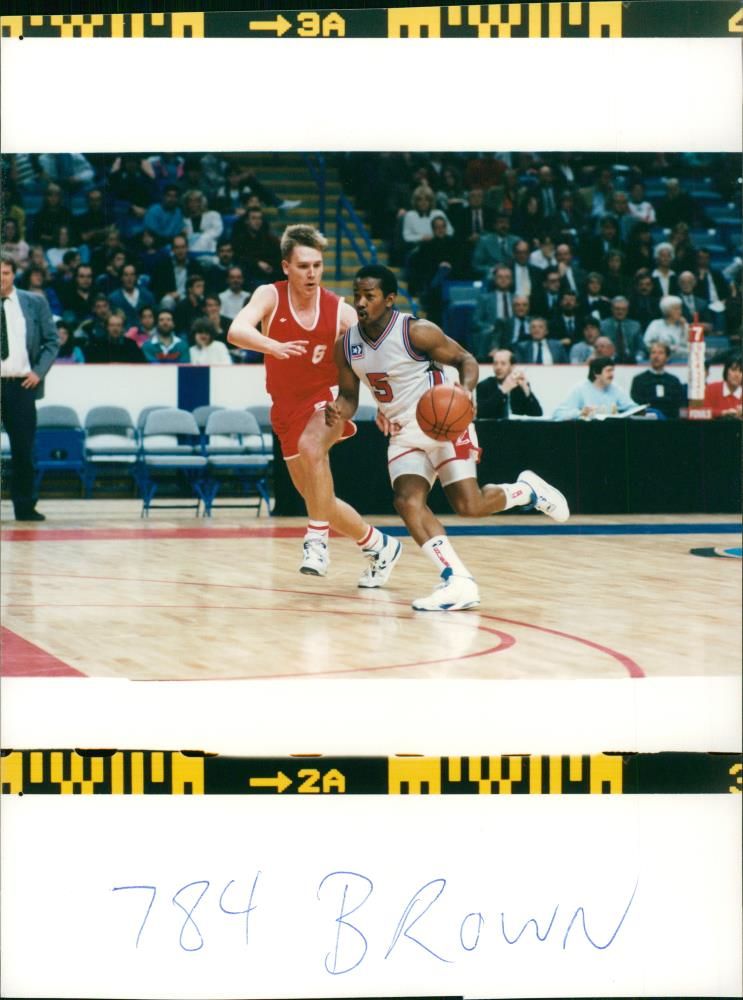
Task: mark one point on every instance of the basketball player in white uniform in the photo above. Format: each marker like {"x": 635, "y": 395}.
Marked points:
{"x": 399, "y": 358}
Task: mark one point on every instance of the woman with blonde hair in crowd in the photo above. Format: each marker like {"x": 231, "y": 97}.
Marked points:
{"x": 417, "y": 221}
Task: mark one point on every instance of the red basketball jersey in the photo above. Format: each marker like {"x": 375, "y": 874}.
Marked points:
{"x": 296, "y": 379}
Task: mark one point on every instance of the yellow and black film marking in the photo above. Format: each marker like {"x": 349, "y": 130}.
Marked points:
{"x": 593, "y": 19}
{"x": 158, "y": 772}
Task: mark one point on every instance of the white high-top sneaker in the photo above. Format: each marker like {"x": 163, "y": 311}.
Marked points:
{"x": 316, "y": 559}
{"x": 377, "y": 573}
{"x": 546, "y": 498}
{"x": 457, "y": 593}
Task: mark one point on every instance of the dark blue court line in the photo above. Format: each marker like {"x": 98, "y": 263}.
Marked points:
{"x": 582, "y": 529}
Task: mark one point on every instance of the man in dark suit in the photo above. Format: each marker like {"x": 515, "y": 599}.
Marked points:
{"x": 116, "y": 348}
{"x": 506, "y": 392}
{"x": 539, "y": 350}
{"x": 711, "y": 285}
{"x": 545, "y": 301}
{"x": 691, "y": 304}
{"x": 596, "y": 248}
{"x": 572, "y": 277}
{"x": 494, "y": 306}
{"x": 566, "y": 324}
{"x": 470, "y": 221}
{"x": 624, "y": 333}
{"x": 494, "y": 248}
{"x": 547, "y": 192}
{"x": 170, "y": 275}
{"x": 526, "y": 278}
{"x": 515, "y": 330}
{"x": 644, "y": 305}
{"x": 28, "y": 347}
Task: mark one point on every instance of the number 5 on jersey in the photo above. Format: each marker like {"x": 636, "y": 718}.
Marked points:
{"x": 380, "y": 386}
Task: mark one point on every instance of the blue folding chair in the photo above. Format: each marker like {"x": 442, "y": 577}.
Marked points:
{"x": 59, "y": 445}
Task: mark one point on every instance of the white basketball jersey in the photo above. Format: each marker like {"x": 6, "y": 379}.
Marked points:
{"x": 392, "y": 368}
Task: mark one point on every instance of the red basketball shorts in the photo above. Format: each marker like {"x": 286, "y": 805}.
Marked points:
{"x": 288, "y": 425}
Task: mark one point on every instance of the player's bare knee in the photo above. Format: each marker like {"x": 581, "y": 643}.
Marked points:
{"x": 468, "y": 505}
{"x": 407, "y": 505}
{"x": 311, "y": 450}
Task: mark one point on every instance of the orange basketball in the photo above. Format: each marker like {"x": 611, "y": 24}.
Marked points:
{"x": 444, "y": 412}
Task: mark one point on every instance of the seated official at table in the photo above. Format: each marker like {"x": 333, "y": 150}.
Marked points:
{"x": 657, "y": 387}
{"x": 597, "y": 395}
{"x": 507, "y": 392}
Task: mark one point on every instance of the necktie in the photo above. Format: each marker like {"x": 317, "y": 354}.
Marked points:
{"x": 522, "y": 329}
{"x": 477, "y": 225}
{"x": 538, "y": 359}
{"x": 620, "y": 340}
{"x": 569, "y": 324}
{"x": 4, "y": 345}
{"x": 505, "y": 305}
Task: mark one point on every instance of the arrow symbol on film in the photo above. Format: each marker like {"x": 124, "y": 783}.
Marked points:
{"x": 280, "y": 782}
{"x": 280, "y": 25}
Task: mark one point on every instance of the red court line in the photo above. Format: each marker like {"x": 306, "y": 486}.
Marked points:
{"x": 632, "y": 668}
{"x": 505, "y": 640}
{"x": 132, "y": 534}
{"x": 21, "y": 658}
{"x": 630, "y": 665}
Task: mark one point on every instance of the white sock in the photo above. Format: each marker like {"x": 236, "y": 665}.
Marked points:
{"x": 372, "y": 540}
{"x": 517, "y": 494}
{"x": 317, "y": 529}
{"x": 441, "y": 553}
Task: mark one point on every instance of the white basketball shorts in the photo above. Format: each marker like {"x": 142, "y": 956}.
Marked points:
{"x": 413, "y": 453}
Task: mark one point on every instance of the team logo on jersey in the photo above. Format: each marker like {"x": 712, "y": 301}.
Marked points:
{"x": 357, "y": 350}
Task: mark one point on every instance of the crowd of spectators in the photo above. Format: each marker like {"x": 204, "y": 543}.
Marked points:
{"x": 570, "y": 256}
{"x": 141, "y": 258}
{"x": 568, "y": 239}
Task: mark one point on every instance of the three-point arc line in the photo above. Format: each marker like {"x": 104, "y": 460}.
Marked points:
{"x": 505, "y": 639}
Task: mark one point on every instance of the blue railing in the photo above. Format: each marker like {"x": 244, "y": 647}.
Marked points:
{"x": 349, "y": 226}
{"x": 316, "y": 166}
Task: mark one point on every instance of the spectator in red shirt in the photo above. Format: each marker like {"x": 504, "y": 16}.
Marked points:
{"x": 725, "y": 398}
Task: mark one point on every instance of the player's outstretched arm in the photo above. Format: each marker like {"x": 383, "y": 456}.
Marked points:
{"x": 427, "y": 338}
{"x": 347, "y": 401}
{"x": 244, "y": 330}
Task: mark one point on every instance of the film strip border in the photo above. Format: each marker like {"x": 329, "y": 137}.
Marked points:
{"x": 158, "y": 772}
{"x": 592, "y": 19}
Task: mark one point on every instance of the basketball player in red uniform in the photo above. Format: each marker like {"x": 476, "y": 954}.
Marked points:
{"x": 300, "y": 322}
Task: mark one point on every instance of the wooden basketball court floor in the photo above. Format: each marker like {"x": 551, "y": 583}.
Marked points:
{"x": 96, "y": 592}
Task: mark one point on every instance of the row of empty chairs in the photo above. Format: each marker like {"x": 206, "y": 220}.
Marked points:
{"x": 202, "y": 448}
{"x": 166, "y": 442}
